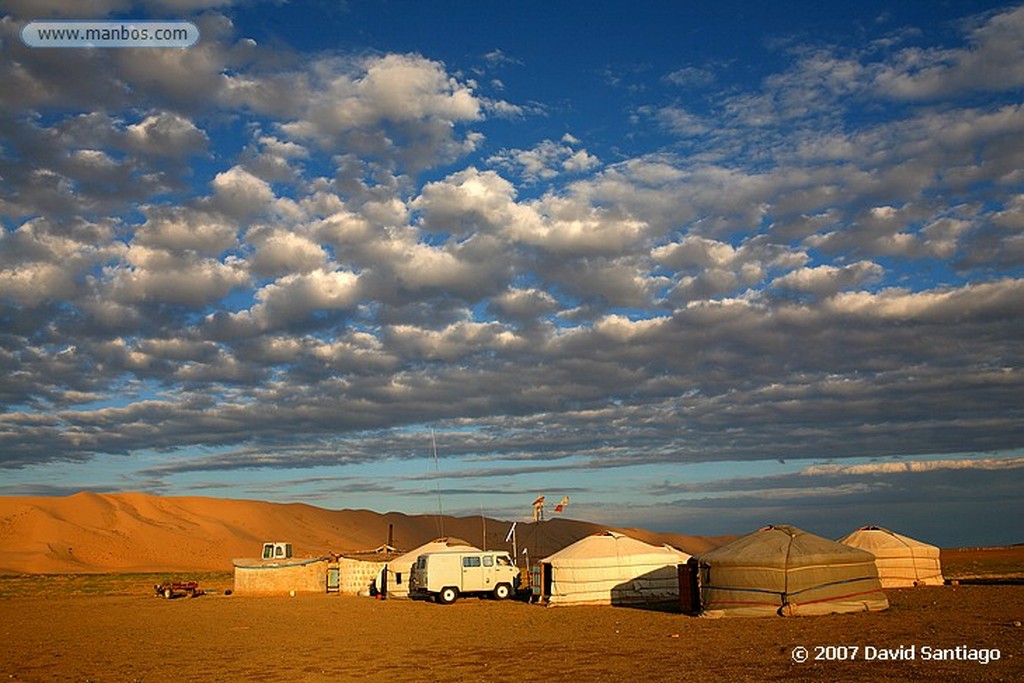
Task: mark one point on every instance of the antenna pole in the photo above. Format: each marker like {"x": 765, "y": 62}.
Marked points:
{"x": 483, "y": 521}
{"x": 437, "y": 473}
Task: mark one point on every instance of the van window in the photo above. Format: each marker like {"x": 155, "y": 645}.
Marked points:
{"x": 488, "y": 561}
{"x": 504, "y": 561}
{"x": 471, "y": 562}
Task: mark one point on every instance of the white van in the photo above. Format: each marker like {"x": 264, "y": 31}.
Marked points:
{"x": 445, "y": 576}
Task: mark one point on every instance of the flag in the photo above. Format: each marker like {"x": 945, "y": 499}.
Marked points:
{"x": 511, "y": 531}
{"x": 561, "y": 504}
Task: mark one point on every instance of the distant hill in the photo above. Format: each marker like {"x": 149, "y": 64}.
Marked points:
{"x": 135, "y": 532}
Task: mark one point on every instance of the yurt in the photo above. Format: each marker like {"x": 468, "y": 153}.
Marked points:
{"x": 902, "y": 561}
{"x": 787, "y": 571}
{"x": 612, "y": 569}
{"x": 398, "y": 569}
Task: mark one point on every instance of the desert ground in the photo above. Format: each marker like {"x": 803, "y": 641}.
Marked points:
{"x": 77, "y": 604}
{"x": 113, "y": 628}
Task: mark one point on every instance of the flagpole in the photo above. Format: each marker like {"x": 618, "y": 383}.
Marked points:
{"x": 511, "y": 535}
{"x": 483, "y": 520}
{"x": 437, "y": 478}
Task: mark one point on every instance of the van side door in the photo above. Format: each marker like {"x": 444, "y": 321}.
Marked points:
{"x": 473, "y": 576}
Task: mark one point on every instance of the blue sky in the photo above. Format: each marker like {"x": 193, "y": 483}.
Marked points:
{"x": 699, "y": 266}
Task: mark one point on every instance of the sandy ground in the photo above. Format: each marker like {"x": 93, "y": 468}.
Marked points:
{"x": 80, "y": 624}
{"x": 96, "y": 629}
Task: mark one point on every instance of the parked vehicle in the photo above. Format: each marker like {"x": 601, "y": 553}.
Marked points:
{"x": 445, "y": 576}
{"x": 174, "y": 589}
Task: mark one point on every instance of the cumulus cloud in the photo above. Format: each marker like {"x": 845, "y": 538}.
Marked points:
{"x": 166, "y": 134}
{"x": 279, "y": 252}
{"x": 156, "y": 275}
{"x": 524, "y": 304}
{"x": 471, "y": 201}
{"x": 180, "y": 229}
{"x": 827, "y": 280}
{"x": 399, "y": 108}
{"x": 292, "y": 297}
{"x": 239, "y": 193}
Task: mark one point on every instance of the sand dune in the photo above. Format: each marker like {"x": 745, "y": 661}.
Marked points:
{"x": 135, "y": 532}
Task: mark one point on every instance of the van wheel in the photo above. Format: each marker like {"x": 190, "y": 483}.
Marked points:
{"x": 448, "y": 595}
{"x": 502, "y": 591}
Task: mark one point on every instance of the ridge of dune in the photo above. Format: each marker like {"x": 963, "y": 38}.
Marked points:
{"x": 137, "y": 532}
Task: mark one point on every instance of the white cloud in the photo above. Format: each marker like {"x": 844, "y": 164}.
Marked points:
{"x": 239, "y": 193}
{"x": 181, "y": 229}
{"x": 828, "y": 280}
{"x": 678, "y": 121}
{"x": 452, "y": 342}
{"x": 910, "y": 466}
{"x": 547, "y": 160}
{"x": 524, "y": 304}
{"x": 401, "y": 108}
{"x": 166, "y": 134}
{"x": 420, "y": 266}
{"x": 499, "y": 57}
{"x": 994, "y": 60}
{"x": 570, "y": 225}
{"x": 279, "y": 252}
{"x": 156, "y": 275}
{"x": 973, "y": 301}
{"x": 293, "y": 297}
{"x": 471, "y": 201}
{"x": 691, "y": 77}
{"x": 33, "y": 283}
{"x": 624, "y": 331}
{"x": 694, "y": 251}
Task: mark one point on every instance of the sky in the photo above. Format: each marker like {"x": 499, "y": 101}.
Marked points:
{"x": 700, "y": 267}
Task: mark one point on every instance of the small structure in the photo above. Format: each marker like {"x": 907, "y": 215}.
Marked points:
{"x": 611, "y": 569}
{"x": 396, "y": 583}
{"x": 902, "y": 562}
{"x": 279, "y": 573}
{"x": 256, "y": 576}
{"x": 277, "y": 551}
{"x": 786, "y": 571}
{"x": 358, "y": 570}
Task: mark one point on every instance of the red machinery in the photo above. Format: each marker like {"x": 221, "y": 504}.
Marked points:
{"x": 175, "y": 589}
